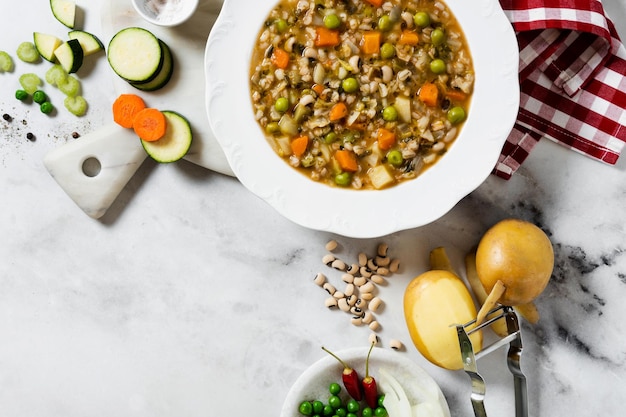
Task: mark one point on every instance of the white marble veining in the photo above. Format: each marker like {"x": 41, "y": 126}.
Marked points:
{"x": 192, "y": 297}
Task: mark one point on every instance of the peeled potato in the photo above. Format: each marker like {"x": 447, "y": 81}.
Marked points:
{"x": 519, "y": 255}
{"x": 434, "y": 302}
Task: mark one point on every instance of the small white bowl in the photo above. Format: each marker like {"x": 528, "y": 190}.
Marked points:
{"x": 165, "y": 12}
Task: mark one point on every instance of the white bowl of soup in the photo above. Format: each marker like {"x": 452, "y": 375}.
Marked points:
{"x": 362, "y": 117}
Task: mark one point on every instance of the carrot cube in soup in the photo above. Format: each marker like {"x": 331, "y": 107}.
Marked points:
{"x": 280, "y": 58}
{"x": 408, "y": 37}
{"x": 376, "y": 3}
{"x": 326, "y": 37}
{"x": 429, "y": 94}
{"x": 370, "y": 43}
{"x": 299, "y": 145}
{"x": 385, "y": 138}
{"x": 347, "y": 160}
{"x": 338, "y": 112}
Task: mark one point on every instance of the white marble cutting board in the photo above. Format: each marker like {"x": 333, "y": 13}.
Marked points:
{"x": 185, "y": 93}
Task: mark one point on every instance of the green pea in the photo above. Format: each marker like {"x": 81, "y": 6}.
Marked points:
{"x": 341, "y": 412}
{"x": 381, "y": 400}
{"x": 328, "y": 410}
{"x": 39, "y": 97}
{"x": 390, "y": 114}
{"x": 281, "y": 105}
{"x": 380, "y": 412}
{"x": 456, "y": 114}
{"x": 438, "y": 66}
{"x": 305, "y": 408}
{"x": 437, "y": 37}
{"x": 21, "y": 95}
{"x": 421, "y": 19}
{"x": 334, "y": 401}
{"x": 367, "y": 412}
{"x": 395, "y": 157}
{"x": 353, "y": 406}
{"x": 351, "y": 415}
{"x": 318, "y": 407}
{"x": 385, "y": 23}
{"x": 334, "y": 388}
{"x": 342, "y": 179}
{"x": 387, "y": 50}
{"x": 281, "y": 25}
{"x": 46, "y": 107}
{"x": 332, "y": 21}
{"x": 330, "y": 137}
{"x": 350, "y": 85}
{"x": 272, "y": 127}
{"x": 349, "y": 137}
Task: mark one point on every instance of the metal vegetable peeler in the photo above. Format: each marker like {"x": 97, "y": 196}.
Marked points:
{"x": 514, "y": 340}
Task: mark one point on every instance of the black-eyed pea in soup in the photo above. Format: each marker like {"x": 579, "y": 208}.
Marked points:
{"x": 361, "y": 93}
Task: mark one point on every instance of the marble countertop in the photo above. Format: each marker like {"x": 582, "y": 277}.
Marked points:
{"x": 192, "y": 297}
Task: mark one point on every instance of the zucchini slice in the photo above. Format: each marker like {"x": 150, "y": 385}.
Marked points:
{"x": 176, "y": 141}
{"x": 164, "y": 75}
{"x": 64, "y": 11}
{"x": 70, "y": 55}
{"x": 88, "y": 41}
{"x": 135, "y": 54}
{"x": 46, "y": 45}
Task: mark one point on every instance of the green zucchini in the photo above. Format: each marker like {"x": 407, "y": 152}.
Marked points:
{"x": 46, "y": 45}
{"x": 64, "y": 11}
{"x": 70, "y": 55}
{"x": 135, "y": 54}
{"x": 176, "y": 141}
{"x": 88, "y": 41}
{"x": 164, "y": 75}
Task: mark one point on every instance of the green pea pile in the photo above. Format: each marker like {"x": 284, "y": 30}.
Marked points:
{"x": 337, "y": 407}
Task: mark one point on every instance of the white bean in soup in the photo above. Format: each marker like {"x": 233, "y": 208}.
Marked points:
{"x": 361, "y": 94}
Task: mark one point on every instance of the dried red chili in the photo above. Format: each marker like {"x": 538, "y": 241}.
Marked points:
{"x": 369, "y": 384}
{"x": 349, "y": 377}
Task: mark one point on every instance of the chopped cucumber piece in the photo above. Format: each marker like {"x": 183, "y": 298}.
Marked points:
{"x": 76, "y": 105}
{"x": 64, "y": 11}
{"x": 55, "y": 75}
{"x": 6, "y": 62}
{"x": 30, "y": 82}
{"x": 88, "y": 41}
{"x": 164, "y": 75}
{"x": 70, "y": 55}
{"x": 27, "y": 52}
{"x": 175, "y": 142}
{"x": 135, "y": 54}
{"x": 46, "y": 45}
{"x": 70, "y": 86}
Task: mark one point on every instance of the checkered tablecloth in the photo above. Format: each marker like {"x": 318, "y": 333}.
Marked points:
{"x": 572, "y": 78}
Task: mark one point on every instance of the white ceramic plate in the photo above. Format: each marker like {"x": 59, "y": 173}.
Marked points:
{"x": 313, "y": 383}
{"x": 347, "y": 212}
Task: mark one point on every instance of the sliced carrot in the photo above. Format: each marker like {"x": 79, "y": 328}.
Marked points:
{"x": 326, "y": 37}
{"x": 386, "y": 138}
{"x": 280, "y": 58}
{"x": 299, "y": 145}
{"x": 347, "y": 160}
{"x": 150, "y": 124}
{"x": 338, "y": 111}
{"x": 376, "y": 3}
{"x": 125, "y": 107}
{"x": 455, "y": 95}
{"x": 370, "y": 43}
{"x": 408, "y": 37}
{"x": 429, "y": 94}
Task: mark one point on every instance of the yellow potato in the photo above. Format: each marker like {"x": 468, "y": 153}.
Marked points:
{"x": 434, "y": 303}
{"x": 520, "y": 255}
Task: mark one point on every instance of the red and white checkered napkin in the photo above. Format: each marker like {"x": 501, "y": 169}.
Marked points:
{"x": 572, "y": 78}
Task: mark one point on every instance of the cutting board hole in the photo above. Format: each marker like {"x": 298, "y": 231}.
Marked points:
{"x": 91, "y": 167}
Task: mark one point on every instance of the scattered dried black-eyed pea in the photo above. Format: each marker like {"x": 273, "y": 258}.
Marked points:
{"x": 30, "y": 137}
{"x": 395, "y": 344}
{"x": 361, "y": 281}
{"x": 7, "y": 117}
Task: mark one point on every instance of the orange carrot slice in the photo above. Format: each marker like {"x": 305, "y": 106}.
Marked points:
{"x": 386, "y": 138}
{"x": 125, "y": 108}
{"x": 408, "y": 37}
{"x": 429, "y": 94}
{"x": 280, "y": 58}
{"x": 370, "y": 43}
{"x": 326, "y": 37}
{"x": 347, "y": 160}
{"x": 150, "y": 124}
{"x": 338, "y": 112}
{"x": 299, "y": 145}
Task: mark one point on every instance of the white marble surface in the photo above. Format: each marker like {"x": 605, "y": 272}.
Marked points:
{"x": 192, "y": 297}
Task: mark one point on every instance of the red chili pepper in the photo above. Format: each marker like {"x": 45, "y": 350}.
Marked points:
{"x": 349, "y": 377}
{"x": 369, "y": 384}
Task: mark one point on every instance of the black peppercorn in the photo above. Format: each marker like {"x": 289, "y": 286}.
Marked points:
{"x": 7, "y": 117}
{"x": 30, "y": 136}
